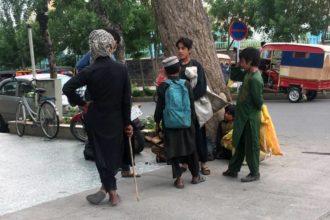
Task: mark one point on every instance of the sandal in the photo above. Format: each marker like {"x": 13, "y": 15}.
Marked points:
{"x": 206, "y": 171}
{"x": 128, "y": 174}
{"x": 96, "y": 198}
{"x": 198, "y": 180}
{"x": 178, "y": 185}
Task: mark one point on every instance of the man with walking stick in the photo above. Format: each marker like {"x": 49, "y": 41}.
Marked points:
{"x": 109, "y": 111}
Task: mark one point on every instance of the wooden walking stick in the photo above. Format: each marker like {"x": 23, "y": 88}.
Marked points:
{"x": 133, "y": 166}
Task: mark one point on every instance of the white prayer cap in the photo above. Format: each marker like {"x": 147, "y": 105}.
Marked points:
{"x": 170, "y": 61}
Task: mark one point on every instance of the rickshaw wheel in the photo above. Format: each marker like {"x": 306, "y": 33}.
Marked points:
{"x": 294, "y": 94}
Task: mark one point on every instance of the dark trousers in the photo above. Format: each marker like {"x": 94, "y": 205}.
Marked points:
{"x": 246, "y": 148}
{"x": 191, "y": 160}
{"x": 107, "y": 174}
{"x": 201, "y": 144}
{"x": 89, "y": 149}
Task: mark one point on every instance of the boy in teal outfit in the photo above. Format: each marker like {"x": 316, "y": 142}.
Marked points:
{"x": 246, "y": 134}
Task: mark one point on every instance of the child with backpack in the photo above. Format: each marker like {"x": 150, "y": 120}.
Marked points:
{"x": 175, "y": 114}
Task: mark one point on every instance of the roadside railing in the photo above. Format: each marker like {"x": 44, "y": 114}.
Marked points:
{"x": 243, "y": 44}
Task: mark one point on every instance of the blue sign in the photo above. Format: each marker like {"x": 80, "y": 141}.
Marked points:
{"x": 238, "y": 30}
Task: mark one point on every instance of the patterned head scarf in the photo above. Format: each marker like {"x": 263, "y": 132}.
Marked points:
{"x": 100, "y": 42}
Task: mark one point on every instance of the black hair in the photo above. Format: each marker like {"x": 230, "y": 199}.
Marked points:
{"x": 230, "y": 109}
{"x": 262, "y": 43}
{"x": 185, "y": 41}
{"x": 250, "y": 54}
{"x": 173, "y": 69}
{"x": 114, "y": 34}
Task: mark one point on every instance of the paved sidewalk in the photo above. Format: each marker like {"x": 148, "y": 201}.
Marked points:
{"x": 291, "y": 187}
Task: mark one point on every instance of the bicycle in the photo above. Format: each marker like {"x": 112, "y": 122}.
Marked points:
{"x": 77, "y": 126}
{"x": 45, "y": 116}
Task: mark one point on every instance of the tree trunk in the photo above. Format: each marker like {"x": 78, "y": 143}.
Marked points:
{"x": 326, "y": 26}
{"x": 179, "y": 18}
{"x": 96, "y": 5}
{"x": 152, "y": 59}
{"x": 42, "y": 17}
{"x": 142, "y": 74}
{"x": 156, "y": 60}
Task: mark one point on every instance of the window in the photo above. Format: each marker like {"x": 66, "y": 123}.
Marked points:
{"x": 266, "y": 54}
{"x": 9, "y": 89}
{"x": 300, "y": 55}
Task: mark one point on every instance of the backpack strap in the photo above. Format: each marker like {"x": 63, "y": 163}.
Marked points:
{"x": 179, "y": 82}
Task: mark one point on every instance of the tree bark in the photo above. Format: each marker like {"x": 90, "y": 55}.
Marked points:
{"x": 179, "y": 18}
{"x": 182, "y": 18}
{"x": 42, "y": 17}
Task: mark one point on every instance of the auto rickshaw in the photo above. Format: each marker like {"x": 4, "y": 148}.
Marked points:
{"x": 296, "y": 69}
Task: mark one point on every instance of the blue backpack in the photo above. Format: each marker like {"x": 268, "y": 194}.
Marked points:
{"x": 177, "y": 112}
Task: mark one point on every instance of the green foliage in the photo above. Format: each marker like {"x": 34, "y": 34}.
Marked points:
{"x": 281, "y": 20}
{"x": 138, "y": 92}
{"x": 69, "y": 27}
{"x": 140, "y": 29}
{"x": 149, "y": 92}
{"x": 149, "y": 123}
{"x": 66, "y": 120}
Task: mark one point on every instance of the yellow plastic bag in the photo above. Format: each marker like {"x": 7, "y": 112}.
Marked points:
{"x": 268, "y": 138}
{"x": 227, "y": 141}
{"x": 228, "y": 144}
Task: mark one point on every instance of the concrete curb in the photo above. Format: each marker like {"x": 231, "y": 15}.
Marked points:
{"x": 64, "y": 131}
{"x": 267, "y": 96}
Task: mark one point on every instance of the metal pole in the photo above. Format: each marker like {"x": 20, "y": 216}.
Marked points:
{"x": 238, "y": 48}
{"x": 237, "y": 61}
{"x": 31, "y": 51}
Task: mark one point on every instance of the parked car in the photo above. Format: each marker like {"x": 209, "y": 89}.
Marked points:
{"x": 11, "y": 90}
{"x": 6, "y": 74}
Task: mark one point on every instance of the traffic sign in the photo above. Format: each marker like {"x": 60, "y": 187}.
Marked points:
{"x": 238, "y": 30}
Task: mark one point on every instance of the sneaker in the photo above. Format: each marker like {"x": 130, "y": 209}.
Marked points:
{"x": 250, "y": 178}
{"x": 230, "y": 173}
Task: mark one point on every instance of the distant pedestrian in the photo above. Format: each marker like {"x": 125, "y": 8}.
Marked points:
{"x": 175, "y": 109}
{"x": 109, "y": 111}
{"x": 225, "y": 68}
{"x": 246, "y": 133}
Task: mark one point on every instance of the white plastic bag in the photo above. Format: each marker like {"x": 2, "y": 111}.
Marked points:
{"x": 203, "y": 107}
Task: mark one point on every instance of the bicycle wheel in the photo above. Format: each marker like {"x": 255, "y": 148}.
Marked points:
{"x": 78, "y": 130}
{"x": 49, "y": 120}
{"x": 20, "y": 119}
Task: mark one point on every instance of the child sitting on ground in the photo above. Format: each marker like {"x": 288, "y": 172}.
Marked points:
{"x": 225, "y": 126}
